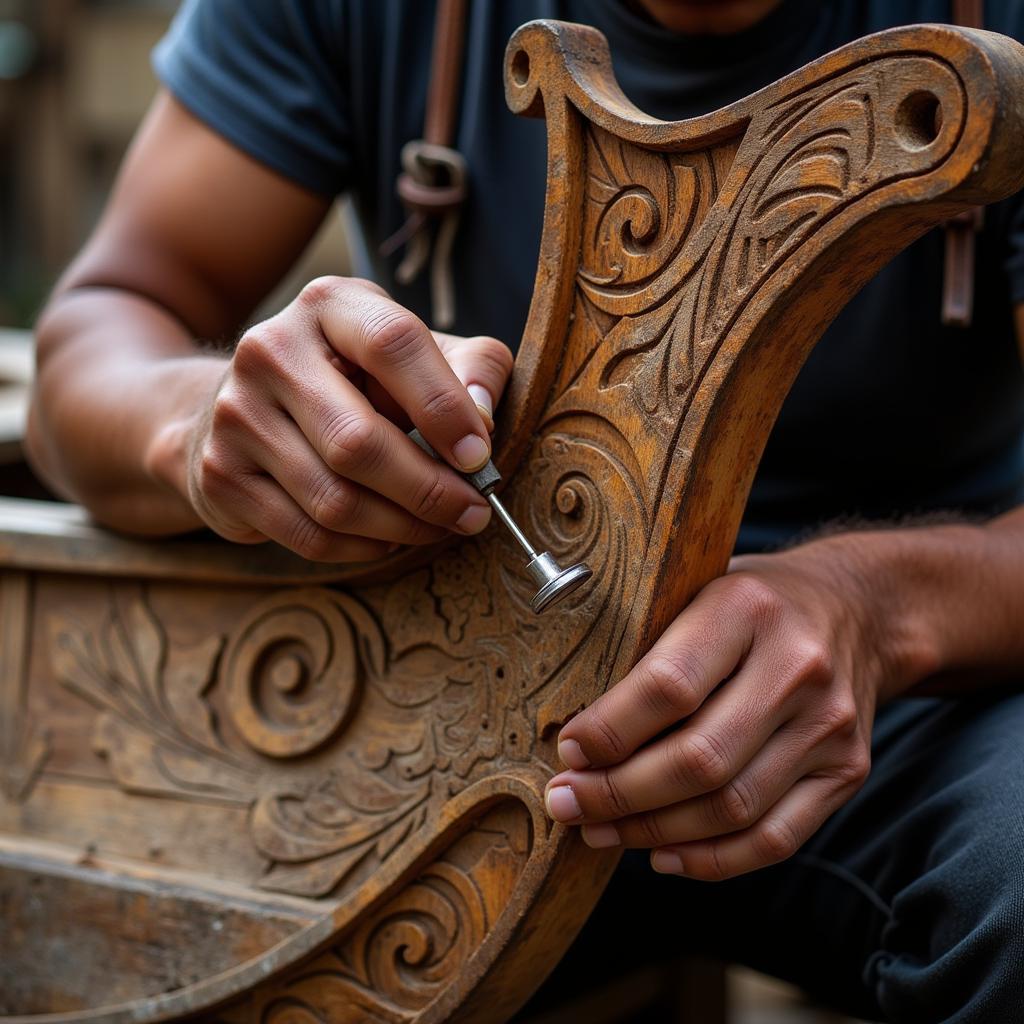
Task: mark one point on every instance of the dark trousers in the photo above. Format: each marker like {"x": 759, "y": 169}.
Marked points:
{"x": 907, "y": 906}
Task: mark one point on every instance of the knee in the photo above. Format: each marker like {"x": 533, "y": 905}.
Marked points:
{"x": 953, "y": 949}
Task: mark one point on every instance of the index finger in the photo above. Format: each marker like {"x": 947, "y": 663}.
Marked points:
{"x": 396, "y": 347}
{"x": 703, "y": 646}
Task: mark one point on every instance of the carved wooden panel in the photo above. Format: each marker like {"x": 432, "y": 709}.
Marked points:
{"x": 369, "y": 755}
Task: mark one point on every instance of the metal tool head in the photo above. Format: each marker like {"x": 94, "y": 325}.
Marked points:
{"x": 555, "y": 582}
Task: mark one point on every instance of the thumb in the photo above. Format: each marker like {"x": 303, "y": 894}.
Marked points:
{"x": 483, "y": 364}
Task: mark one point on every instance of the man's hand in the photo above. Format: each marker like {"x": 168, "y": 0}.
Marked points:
{"x": 744, "y": 728}
{"x": 304, "y": 440}
{"x": 300, "y": 435}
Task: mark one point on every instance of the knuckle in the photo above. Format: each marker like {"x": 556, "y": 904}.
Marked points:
{"x": 309, "y": 539}
{"x": 349, "y": 442}
{"x": 495, "y": 352}
{"x": 813, "y": 664}
{"x": 392, "y": 334}
{"x": 670, "y": 684}
{"x": 735, "y": 805}
{"x": 442, "y": 406}
{"x": 229, "y": 410}
{"x": 839, "y": 718}
{"x": 856, "y": 768}
{"x": 266, "y": 347}
{"x": 776, "y": 840}
{"x": 707, "y": 865}
{"x": 335, "y": 504}
{"x": 649, "y": 830}
{"x": 754, "y": 594}
{"x": 430, "y": 499}
{"x": 364, "y": 284}
{"x": 319, "y": 291}
{"x": 703, "y": 759}
{"x": 603, "y": 739}
{"x": 611, "y": 799}
{"x": 215, "y": 471}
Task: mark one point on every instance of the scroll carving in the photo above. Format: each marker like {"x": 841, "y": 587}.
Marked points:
{"x": 224, "y": 719}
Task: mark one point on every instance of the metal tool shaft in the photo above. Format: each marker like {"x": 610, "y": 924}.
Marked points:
{"x": 511, "y": 524}
{"x": 554, "y": 582}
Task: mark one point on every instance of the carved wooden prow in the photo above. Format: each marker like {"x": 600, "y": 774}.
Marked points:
{"x": 325, "y": 800}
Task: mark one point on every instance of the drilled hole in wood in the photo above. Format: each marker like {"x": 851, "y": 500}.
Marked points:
{"x": 919, "y": 119}
{"x": 521, "y": 68}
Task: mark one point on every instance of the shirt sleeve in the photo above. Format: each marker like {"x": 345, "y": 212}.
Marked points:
{"x": 265, "y": 75}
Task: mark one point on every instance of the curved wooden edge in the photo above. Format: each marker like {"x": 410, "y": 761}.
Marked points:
{"x": 563, "y": 73}
{"x": 337, "y": 919}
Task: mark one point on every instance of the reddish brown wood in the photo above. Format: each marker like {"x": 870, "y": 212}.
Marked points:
{"x": 368, "y": 754}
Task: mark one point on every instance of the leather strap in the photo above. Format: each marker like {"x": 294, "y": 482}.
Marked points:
{"x": 958, "y": 274}
{"x": 445, "y": 72}
{"x": 969, "y": 13}
{"x": 432, "y": 184}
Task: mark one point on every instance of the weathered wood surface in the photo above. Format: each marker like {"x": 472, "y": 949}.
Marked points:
{"x": 359, "y": 767}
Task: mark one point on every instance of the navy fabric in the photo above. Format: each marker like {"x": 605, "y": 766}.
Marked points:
{"x": 908, "y": 906}
{"x": 893, "y": 414}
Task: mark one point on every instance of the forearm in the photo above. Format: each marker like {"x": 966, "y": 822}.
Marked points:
{"x": 950, "y": 600}
{"x": 114, "y": 371}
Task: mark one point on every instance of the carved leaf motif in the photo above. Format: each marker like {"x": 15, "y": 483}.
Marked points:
{"x": 189, "y": 673}
{"x": 154, "y": 741}
{"x": 143, "y": 763}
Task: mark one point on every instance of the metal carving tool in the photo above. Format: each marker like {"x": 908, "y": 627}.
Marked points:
{"x": 553, "y": 581}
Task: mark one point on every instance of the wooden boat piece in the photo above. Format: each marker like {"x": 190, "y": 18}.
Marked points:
{"x": 238, "y": 787}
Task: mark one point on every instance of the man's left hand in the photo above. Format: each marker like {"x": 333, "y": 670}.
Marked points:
{"x": 745, "y": 727}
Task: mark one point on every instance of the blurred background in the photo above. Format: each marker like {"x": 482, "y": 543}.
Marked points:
{"x": 75, "y": 80}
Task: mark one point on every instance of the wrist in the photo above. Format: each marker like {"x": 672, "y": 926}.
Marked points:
{"x": 916, "y": 583}
{"x": 168, "y": 448}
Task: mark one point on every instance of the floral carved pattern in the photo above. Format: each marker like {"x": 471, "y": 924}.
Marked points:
{"x": 230, "y": 719}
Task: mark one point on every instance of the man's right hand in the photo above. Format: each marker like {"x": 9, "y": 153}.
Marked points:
{"x": 304, "y": 440}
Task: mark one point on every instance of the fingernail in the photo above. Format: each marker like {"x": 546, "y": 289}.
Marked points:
{"x": 571, "y": 754}
{"x": 667, "y": 863}
{"x": 474, "y": 519}
{"x": 471, "y": 452}
{"x": 598, "y": 837}
{"x": 482, "y": 397}
{"x": 562, "y": 804}
{"x": 488, "y": 419}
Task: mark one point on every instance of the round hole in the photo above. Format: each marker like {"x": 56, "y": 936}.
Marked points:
{"x": 919, "y": 119}
{"x": 521, "y": 67}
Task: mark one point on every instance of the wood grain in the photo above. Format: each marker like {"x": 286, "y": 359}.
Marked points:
{"x": 375, "y": 740}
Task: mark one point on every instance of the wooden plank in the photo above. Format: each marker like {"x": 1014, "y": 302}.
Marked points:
{"x": 56, "y": 537}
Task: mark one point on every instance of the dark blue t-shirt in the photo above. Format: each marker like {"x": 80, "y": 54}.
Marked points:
{"x": 893, "y": 413}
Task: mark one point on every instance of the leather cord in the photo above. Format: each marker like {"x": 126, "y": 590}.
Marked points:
{"x": 958, "y": 271}
{"x": 433, "y": 181}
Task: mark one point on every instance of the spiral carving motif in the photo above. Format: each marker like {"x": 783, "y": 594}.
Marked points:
{"x": 291, "y": 673}
{"x": 424, "y": 937}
